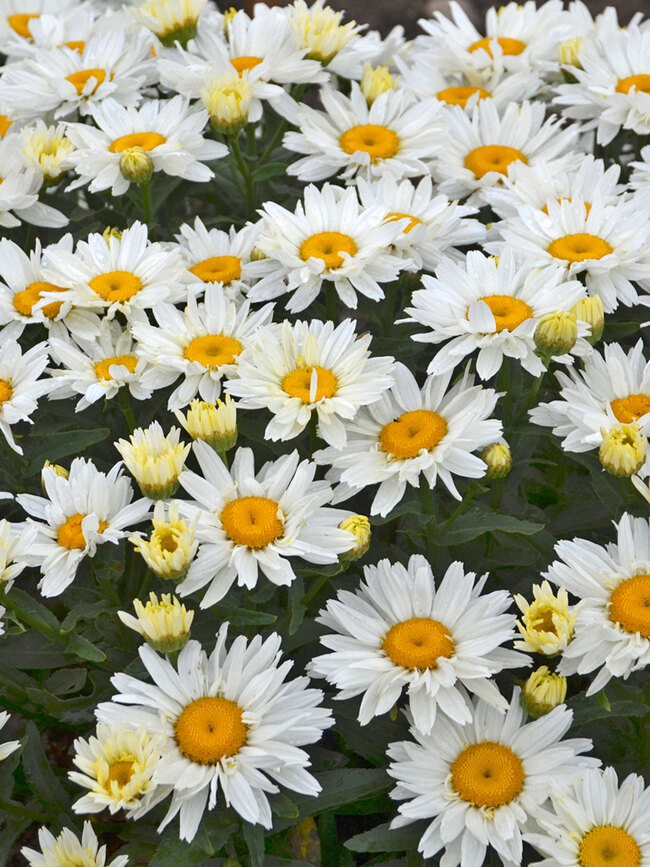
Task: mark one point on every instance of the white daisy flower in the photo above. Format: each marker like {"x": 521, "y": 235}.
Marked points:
{"x": 595, "y": 822}
{"x": 493, "y": 306}
{"x": 99, "y": 367}
{"x": 78, "y": 513}
{"x": 398, "y": 630}
{"x": 409, "y": 432}
{"x": 16, "y": 542}
{"x": 640, "y": 177}
{"x": 20, "y": 386}
{"x": 8, "y": 747}
{"x": 117, "y": 767}
{"x": 252, "y": 521}
{"x": 68, "y": 849}
{"x": 610, "y": 390}
{"x": 229, "y": 722}
{"x": 612, "y": 87}
{"x": 329, "y": 237}
{"x": 19, "y": 16}
{"x": 307, "y": 367}
{"x": 436, "y": 226}
{"x": 154, "y": 459}
{"x": 612, "y": 632}
{"x": 202, "y": 344}
{"x": 215, "y": 256}
{"x": 167, "y": 131}
{"x": 47, "y": 150}
{"x": 20, "y": 188}
{"x": 50, "y": 25}
{"x": 480, "y": 146}
{"x": 171, "y": 20}
{"x": 607, "y": 244}
{"x": 481, "y": 782}
{"x": 395, "y": 135}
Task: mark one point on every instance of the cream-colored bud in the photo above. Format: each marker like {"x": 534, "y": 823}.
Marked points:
{"x": 547, "y": 624}
{"x": 216, "y": 424}
{"x": 568, "y": 52}
{"x": 257, "y": 255}
{"x": 359, "y": 526}
{"x": 498, "y": 458}
{"x": 556, "y": 333}
{"x": 319, "y": 31}
{"x": 623, "y": 450}
{"x": 154, "y": 460}
{"x": 227, "y": 100}
{"x": 172, "y": 545}
{"x": 171, "y": 20}
{"x": 542, "y": 692}
{"x": 376, "y": 80}
{"x": 590, "y": 310}
{"x": 228, "y": 15}
{"x": 136, "y": 165}
{"x": 58, "y": 469}
{"x": 165, "y": 625}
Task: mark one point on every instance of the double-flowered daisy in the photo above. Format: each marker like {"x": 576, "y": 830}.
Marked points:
{"x": 320, "y": 32}
{"x": 170, "y": 548}
{"x": 171, "y": 20}
{"x": 480, "y": 782}
{"x": 20, "y": 386}
{"x": 67, "y": 848}
{"x": 166, "y": 135}
{"x": 256, "y": 521}
{"x": 596, "y": 822}
{"x": 232, "y": 726}
{"x": 78, "y": 513}
{"x": 480, "y": 146}
{"x": 310, "y": 367}
{"x": 20, "y": 189}
{"x": 612, "y": 631}
{"x": 493, "y": 305}
{"x": 409, "y": 432}
{"x": 395, "y": 135}
{"x": 203, "y": 343}
{"x": 329, "y": 237}
{"x": 16, "y": 542}
{"x": 215, "y": 256}
{"x": 19, "y": 16}
{"x": 154, "y": 459}
{"x": 398, "y": 631}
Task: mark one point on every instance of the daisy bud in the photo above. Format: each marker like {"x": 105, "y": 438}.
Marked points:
{"x": 319, "y": 30}
{"x": 359, "y": 526}
{"x": 542, "y": 692}
{"x": 569, "y": 52}
{"x": 171, "y": 547}
{"x": 623, "y": 450}
{"x": 47, "y": 151}
{"x": 498, "y": 458}
{"x": 556, "y": 333}
{"x": 376, "y": 80}
{"x": 590, "y": 310}
{"x": 228, "y": 15}
{"x": 58, "y": 469}
{"x": 257, "y": 255}
{"x": 111, "y": 232}
{"x": 165, "y": 625}
{"x": 155, "y": 461}
{"x": 227, "y": 101}
{"x": 170, "y": 20}
{"x": 216, "y": 424}
{"x": 548, "y": 622}
{"x": 136, "y": 165}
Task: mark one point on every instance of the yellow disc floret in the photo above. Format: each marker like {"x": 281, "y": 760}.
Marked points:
{"x": 116, "y": 286}
{"x": 218, "y": 269}
{"x": 487, "y": 774}
{"x": 461, "y": 95}
{"x": 629, "y": 409}
{"x": 507, "y": 44}
{"x": 245, "y": 63}
{"x": 103, "y": 368}
{"x": 609, "y": 846}
{"x": 508, "y": 312}
{"x": 328, "y": 246}
{"x": 253, "y": 522}
{"x": 418, "y": 643}
{"x": 210, "y": 729}
{"x": 145, "y": 140}
{"x": 213, "y": 350}
{"x": 81, "y": 78}
{"x": 298, "y": 383}
{"x": 70, "y": 534}
{"x": 19, "y": 23}
{"x": 492, "y": 158}
{"x": 641, "y": 83}
{"x": 412, "y": 432}
{"x": 579, "y": 246}
{"x": 629, "y": 605}
{"x": 380, "y": 142}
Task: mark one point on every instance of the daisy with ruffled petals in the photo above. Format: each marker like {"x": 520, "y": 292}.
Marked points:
{"x": 20, "y": 386}
{"x": 480, "y": 782}
{"x": 409, "y": 432}
{"x": 320, "y": 32}
{"x": 493, "y": 306}
{"x": 596, "y": 822}
{"x": 68, "y": 849}
{"x": 214, "y": 256}
{"x": 19, "y": 16}
{"x": 400, "y": 631}
{"x": 250, "y": 522}
{"x": 612, "y": 632}
{"x": 20, "y": 188}
{"x": 232, "y": 726}
{"x": 307, "y": 367}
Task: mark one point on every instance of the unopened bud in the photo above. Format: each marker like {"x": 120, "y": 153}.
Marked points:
{"x": 542, "y": 692}
{"x": 227, "y": 101}
{"x": 58, "y": 469}
{"x": 568, "y": 52}
{"x": 214, "y": 423}
{"x": 359, "y": 527}
{"x": 172, "y": 545}
{"x": 376, "y": 80}
{"x": 498, "y": 458}
{"x": 111, "y": 232}
{"x": 556, "y": 333}
{"x": 136, "y": 165}
{"x": 623, "y": 450}
{"x": 257, "y": 255}
{"x": 590, "y": 310}
{"x": 165, "y": 625}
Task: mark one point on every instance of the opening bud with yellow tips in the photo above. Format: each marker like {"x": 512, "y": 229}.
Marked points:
{"x": 556, "y": 333}
{"x": 227, "y": 100}
{"x": 58, "y": 469}
{"x": 590, "y": 310}
{"x": 542, "y": 692}
{"x": 568, "y": 52}
{"x": 111, "y": 232}
{"x": 164, "y": 624}
{"x": 319, "y": 31}
{"x": 498, "y": 458}
{"x": 548, "y": 622}
{"x": 171, "y": 20}
{"x": 623, "y": 450}
{"x": 154, "y": 460}
{"x": 359, "y": 526}
{"x": 136, "y": 165}
{"x": 376, "y": 80}
{"x": 172, "y": 545}
{"x": 216, "y": 424}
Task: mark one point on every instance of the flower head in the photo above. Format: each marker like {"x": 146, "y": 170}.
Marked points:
{"x": 164, "y": 624}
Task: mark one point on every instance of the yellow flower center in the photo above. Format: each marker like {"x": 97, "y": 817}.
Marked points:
{"x": 487, "y": 774}
{"x": 641, "y": 82}
{"x": 492, "y": 158}
{"x": 609, "y": 846}
{"x": 213, "y": 350}
{"x": 395, "y": 215}
{"x": 418, "y": 643}
{"x": 5, "y": 390}
{"x": 508, "y": 45}
{"x": 380, "y": 142}
{"x": 461, "y": 95}
{"x": 412, "y": 432}
{"x": 76, "y": 45}
{"x": 328, "y": 246}
{"x": 252, "y": 521}
{"x": 5, "y": 123}
{"x": 70, "y": 534}
{"x": 145, "y": 140}
{"x": 544, "y": 622}
{"x": 167, "y": 541}
{"x": 578, "y": 247}
{"x": 629, "y": 605}
{"x": 20, "y": 23}
{"x": 297, "y": 383}
{"x": 80, "y": 78}
{"x": 116, "y": 285}
{"x": 210, "y": 729}
{"x": 629, "y": 409}
{"x": 245, "y": 63}
{"x": 567, "y": 199}
{"x": 508, "y": 312}
{"x": 120, "y": 773}
{"x": 24, "y": 301}
{"x": 102, "y": 368}
{"x": 218, "y": 269}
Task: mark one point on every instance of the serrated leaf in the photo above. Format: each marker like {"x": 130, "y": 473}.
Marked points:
{"x": 382, "y": 839}
{"x": 60, "y": 445}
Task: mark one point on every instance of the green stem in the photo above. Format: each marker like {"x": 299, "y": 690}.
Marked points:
{"x": 273, "y": 143}
{"x": 124, "y": 400}
{"x": 318, "y": 585}
{"x": 467, "y": 499}
{"x": 313, "y": 435}
{"x": 245, "y": 172}
{"x": 145, "y": 195}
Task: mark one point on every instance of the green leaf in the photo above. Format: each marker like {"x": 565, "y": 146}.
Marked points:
{"x": 60, "y": 445}
{"x": 269, "y": 170}
{"x": 475, "y": 522}
{"x": 32, "y": 612}
{"x": 382, "y": 839}
{"x": 296, "y": 607}
{"x": 254, "y": 838}
{"x": 40, "y": 776}
{"x": 174, "y": 851}
{"x": 246, "y": 616}
{"x": 87, "y": 611}
{"x": 283, "y": 806}
{"x": 84, "y": 649}
{"x": 66, "y": 680}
